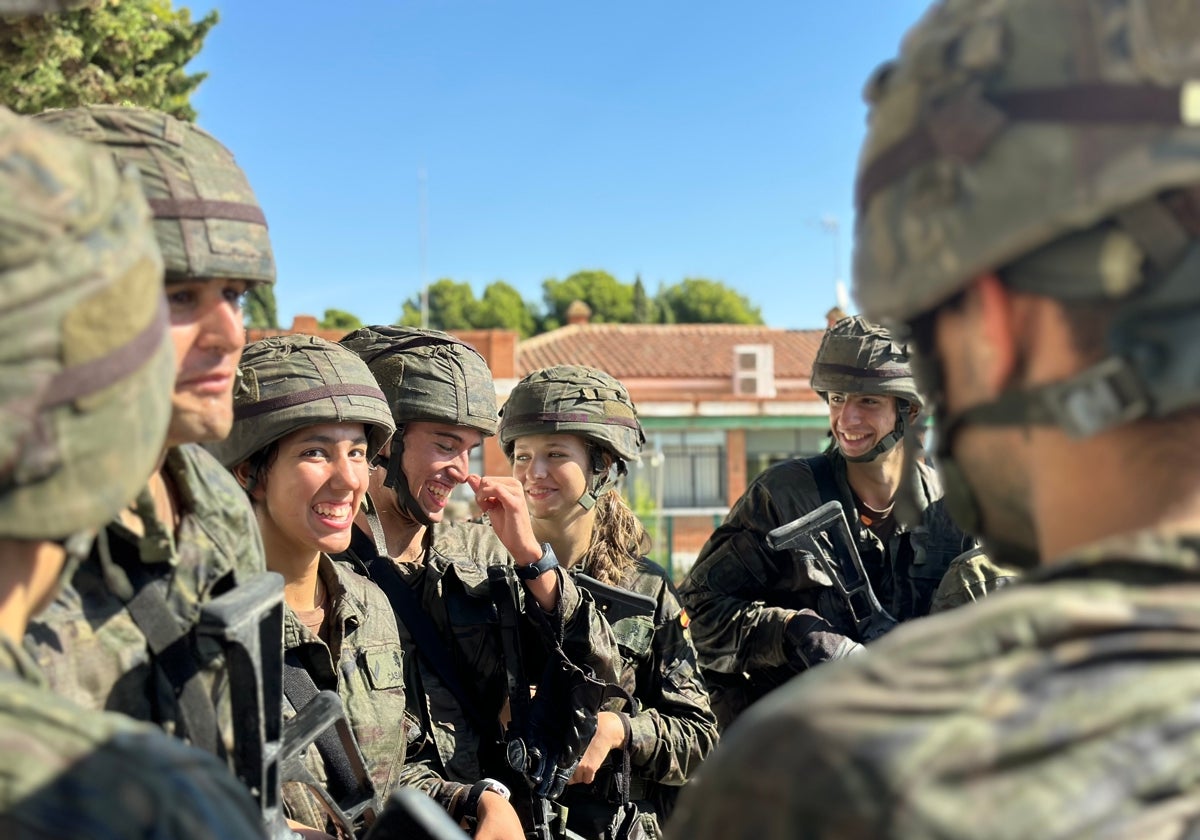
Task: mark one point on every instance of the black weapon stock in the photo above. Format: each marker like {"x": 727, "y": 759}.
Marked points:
{"x": 850, "y": 579}
{"x": 247, "y": 622}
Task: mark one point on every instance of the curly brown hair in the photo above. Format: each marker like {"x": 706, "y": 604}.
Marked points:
{"x": 618, "y": 541}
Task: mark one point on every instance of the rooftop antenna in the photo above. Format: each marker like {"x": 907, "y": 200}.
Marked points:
{"x": 830, "y": 224}
{"x": 424, "y": 234}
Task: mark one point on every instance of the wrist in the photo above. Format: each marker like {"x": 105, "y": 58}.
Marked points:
{"x": 544, "y": 563}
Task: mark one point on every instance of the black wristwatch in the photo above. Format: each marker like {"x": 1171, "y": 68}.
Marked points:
{"x": 534, "y": 570}
{"x": 471, "y": 806}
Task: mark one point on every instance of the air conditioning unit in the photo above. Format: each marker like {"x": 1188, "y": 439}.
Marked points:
{"x": 754, "y": 370}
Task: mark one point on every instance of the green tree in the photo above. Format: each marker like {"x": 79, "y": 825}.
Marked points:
{"x": 107, "y": 52}
{"x": 259, "y": 309}
{"x": 339, "y": 319}
{"x": 644, "y": 308}
{"x": 611, "y": 300}
{"x": 502, "y": 307}
{"x": 696, "y": 300}
{"x": 452, "y": 306}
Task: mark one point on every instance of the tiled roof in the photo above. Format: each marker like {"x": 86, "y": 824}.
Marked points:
{"x": 666, "y": 350}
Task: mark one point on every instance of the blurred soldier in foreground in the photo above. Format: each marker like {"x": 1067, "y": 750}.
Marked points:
{"x": 1028, "y": 211}
{"x": 85, "y": 381}
{"x": 759, "y": 615}
{"x": 120, "y": 636}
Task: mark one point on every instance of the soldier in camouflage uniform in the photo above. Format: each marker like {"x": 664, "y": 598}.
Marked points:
{"x": 84, "y": 407}
{"x": 760, "y": 616}
{"x": 1029, "y": 211}
{"x": 443, "y": 401}
{"x": 569, "y": 431}
{"x": 309, "y": 418}
{"x": 191, "y": 535}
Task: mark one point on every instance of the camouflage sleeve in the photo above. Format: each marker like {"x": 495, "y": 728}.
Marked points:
{"x": 733, "y": 629}
{"x": 970, "y": 577}
{"x": 675, "y": 729}
{"x": 144, "y": 785}
{"x": 775, "y": 776}
{"x": 587, "y": 639}
{"x": 420, "y": 772}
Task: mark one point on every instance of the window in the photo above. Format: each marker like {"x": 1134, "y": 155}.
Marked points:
{"x": 767, "y": 447}
{"x": 693, "y": 468}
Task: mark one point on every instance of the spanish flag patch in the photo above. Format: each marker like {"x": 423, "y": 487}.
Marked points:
{"x": 684, "y": 621}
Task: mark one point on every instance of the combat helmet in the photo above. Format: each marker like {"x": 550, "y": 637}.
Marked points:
{"x": 1067, "y": 164}
{"x": 86, "y": 364}
{"x": 576, "y": 400}
{"x": 858, "y": 357}
{"x": 430, "y": 376}
{"x": 207, "y": 221}
{"x": 293, "y": 381}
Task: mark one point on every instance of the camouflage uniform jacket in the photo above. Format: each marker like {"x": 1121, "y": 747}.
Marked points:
{"x": 73, "y": 773}
{"x": 674, "y": 729}
{"x": 740, "y": 595}
{"x": 363, "y": 664}
{"x": 452, "y": 586}
{"x": 1063, "y": 706}
{"x": 87, "y": 643}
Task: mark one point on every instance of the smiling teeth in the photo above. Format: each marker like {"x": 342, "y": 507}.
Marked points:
{"x": 439, "y": 492}
{"x": 332, "y": 511}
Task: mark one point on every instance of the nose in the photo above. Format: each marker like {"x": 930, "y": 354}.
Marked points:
{"x": 459, "y": 466}
{"x": 349, "y": 473}
{"x": 221, "y": 327}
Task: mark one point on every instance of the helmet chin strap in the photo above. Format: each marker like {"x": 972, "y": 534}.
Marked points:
{"x": 398, "y": 482}
{"x": 602, "y": 479}
{"x": 889, "y": 441}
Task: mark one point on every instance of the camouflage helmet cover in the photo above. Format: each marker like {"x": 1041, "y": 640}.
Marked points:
{"x": 294, "y": 381}
{"x": 207, "y": 220}
{"x": 39, "y": 7}
{"x": 858, "y": 357}
{"x": 428, "y": 375}
{"x": 573, "y": 399}
{"x": 86, "y": 364}
{"x": 1006, "y": 125}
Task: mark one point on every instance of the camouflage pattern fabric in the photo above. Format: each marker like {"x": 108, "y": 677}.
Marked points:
{"x": 984, "y": 722}
{"x": 316, "y": 381}
{"x": 363, "y": 664}
{"x": 86, "y": 365}
{"x": 38, "y": 7}
{"x": 740, "y": 595}
{"x": 858, "y": 357}
{"x": 452, "y": 587}
{"x": 69, "y": 773}
{"x": 674, "y": 729}
{"x": 206, "y": 219}
{"x": 573, "y": 399}
{"x": 428, "y": 375}
{"x": 971, "y": 576}
{"x": 89, "y": 646}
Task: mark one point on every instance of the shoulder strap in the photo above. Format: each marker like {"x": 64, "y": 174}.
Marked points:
{"x": 345, "y": 785}
{"x": 430, "y": 644}
{"x": 169, "y": 640}
{"x": 822, "y": 473}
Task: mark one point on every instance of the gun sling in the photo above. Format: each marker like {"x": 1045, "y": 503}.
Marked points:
{"x": 343, "y": 782}
{"x": 822, "y": 473}
{"x": 168, "y": 638}
{"x": 430, "y": 644}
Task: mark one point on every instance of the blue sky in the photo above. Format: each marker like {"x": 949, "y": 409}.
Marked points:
{"x": 667, "y": 139}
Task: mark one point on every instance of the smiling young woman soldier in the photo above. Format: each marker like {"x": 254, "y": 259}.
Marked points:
{"x": 568, "y": 431}
{"x": 759, "y": 616}
{"x": 308, "y": 419}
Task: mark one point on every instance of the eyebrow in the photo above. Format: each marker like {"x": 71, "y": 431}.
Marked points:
{"x": 330, "y": 439}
